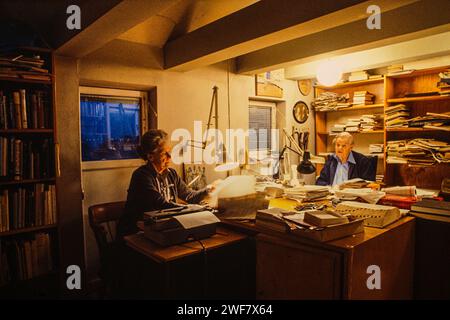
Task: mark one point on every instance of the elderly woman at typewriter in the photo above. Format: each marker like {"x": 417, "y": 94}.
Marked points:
{"x": 154, "y": 186}
{"x": 346, "y": 164}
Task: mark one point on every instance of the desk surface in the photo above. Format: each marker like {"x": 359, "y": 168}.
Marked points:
{"x": 156, "y": 252}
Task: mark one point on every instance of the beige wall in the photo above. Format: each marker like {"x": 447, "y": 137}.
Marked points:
{"x": 182, "y": 98}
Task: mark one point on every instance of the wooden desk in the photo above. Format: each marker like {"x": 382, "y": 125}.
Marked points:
{"x": 221, "y": 268}
{"x": 291, "y": 267}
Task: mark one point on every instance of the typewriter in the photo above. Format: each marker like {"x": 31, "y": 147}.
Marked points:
{"x": 181, "y": 224}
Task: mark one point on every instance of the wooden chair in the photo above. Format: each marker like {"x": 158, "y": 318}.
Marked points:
{"x": 103, "y": 220}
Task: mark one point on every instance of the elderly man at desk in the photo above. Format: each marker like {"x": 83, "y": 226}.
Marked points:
{"x": 346, "y": 164}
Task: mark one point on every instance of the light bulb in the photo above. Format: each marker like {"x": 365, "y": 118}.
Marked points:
{"x": 329, "y": 73}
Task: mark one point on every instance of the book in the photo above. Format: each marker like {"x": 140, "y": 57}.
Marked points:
{"x": 432, "y": 207}
{"x": 324, "y": 218}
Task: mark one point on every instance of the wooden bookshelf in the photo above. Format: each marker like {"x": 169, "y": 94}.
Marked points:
{"x": 324, "y": 120}
{"x": 396, "y": 87}
{"x": 27, "y": 134}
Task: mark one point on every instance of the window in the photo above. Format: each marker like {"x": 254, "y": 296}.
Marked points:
{"x": 262, "y": 139}
{"x": 110, "y": 124}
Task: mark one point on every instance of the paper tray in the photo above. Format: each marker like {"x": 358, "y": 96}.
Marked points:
{"x": 331, "y": 232}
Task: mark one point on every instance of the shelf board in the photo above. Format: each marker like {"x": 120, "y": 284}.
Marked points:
{"x": 357, "y": 107}
{"x": 20, "y": 80}
{"x": 29, "y": 181}
{"x": 426, "y": 98}
{"x": 363, "y": 132}
{"x": 351, "y": 83}
{"x": 14, "y": 131}
{"x": 412, "y": 130}
{"x": 27, "y": 230}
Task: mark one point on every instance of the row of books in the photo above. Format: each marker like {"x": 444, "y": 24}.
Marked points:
{"x": 27, "y": 207}
{"x": 25, "y": 109}
{"x": 23, "y": 259}
{"x": 30, "y": 67}
{"x": 418, "y": 152}
{"x": 367, "y": 122}
{"x": 25, "y": 159}
{"x": 399, "y": 116}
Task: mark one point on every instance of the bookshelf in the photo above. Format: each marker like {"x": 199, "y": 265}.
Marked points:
{"x": 324, "y": 120}
{"x": 29, "y": 246}
{"x": 396, "y": 87}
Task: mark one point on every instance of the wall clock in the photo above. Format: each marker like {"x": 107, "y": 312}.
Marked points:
{"x": 304, "y": 86}
{"x": 300, "y": 112}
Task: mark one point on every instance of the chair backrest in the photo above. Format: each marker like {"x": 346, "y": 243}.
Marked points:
{"x": 373, "y": 166}
{"x": 103, "y": 220}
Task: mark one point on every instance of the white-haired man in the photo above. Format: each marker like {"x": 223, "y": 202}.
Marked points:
{"x": 346, "y": 164}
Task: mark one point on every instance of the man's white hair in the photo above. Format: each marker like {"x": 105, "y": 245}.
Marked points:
{"x": 344, "y": 135}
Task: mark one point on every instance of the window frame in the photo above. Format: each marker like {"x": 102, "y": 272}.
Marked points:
{"x": 118, "y": 93}
{"x": 261, "y": 154}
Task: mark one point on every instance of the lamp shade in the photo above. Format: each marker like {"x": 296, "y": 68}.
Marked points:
{"x": 329, "y": 73}
{"x": 306, "y": 166}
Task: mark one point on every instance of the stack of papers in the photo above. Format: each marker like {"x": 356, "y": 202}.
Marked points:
{"x": 397, "y": 116}
{"x": 376, "y": 147}
{"x": 370, "y": 122}
{"x": 444, "y": 82}
{"x": 328, "y": 101}
{"x": 418, "y": 152}
{"x": 307, "y": 192}
{"x": 356, "y": 183}
{"x": 439, "y": 121}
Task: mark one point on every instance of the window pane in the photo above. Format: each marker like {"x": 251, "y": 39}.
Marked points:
{"x": 260, "y": 125}
{"x": 110, "y": 127}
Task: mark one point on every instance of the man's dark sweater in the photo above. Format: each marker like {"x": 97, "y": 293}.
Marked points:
{"x": 150, "y": 191}
{"x": 364, "y": 168}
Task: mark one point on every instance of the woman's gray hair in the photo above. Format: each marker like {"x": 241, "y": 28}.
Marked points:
{"x": 344, "y": 135}
{"x": 151, "y": 141}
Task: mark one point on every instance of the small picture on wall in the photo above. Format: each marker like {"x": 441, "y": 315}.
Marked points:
{"x": 268, "y": 84}
{"x": 194, "y": 176}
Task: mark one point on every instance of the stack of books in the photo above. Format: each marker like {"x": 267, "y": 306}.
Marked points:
{"x": 397, "y": 116}
{"x": 307, "y": 193}
{"x": 444, "y": 82}
{"x": 352, "y": 125}
{"x": 429, "y": 206}
{"x": 376, "y": 147}
{"x": 379, "y": 178}
{"x": 395, "y": 69}
{"x": 356, "y": 183}
{"x": 362, "y": 98}
{"x": 358, "y": 76}
{"x": 25, "y": 67}
{"x": 370, "y": 122}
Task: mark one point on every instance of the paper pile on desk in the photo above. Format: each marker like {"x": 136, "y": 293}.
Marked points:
{"x": 353, "y": 183}
{"x": 374, "y": 215}
{"x": 307, "y": 192}
{"x": 366, "y": 194}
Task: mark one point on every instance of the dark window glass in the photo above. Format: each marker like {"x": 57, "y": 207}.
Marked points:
{"x": 110, "y": 127}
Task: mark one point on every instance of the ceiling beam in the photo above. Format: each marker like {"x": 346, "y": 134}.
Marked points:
{"x": 401, "y": 24}
{"x": 262, "y": 24}
{"x": 119, "y": 19}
